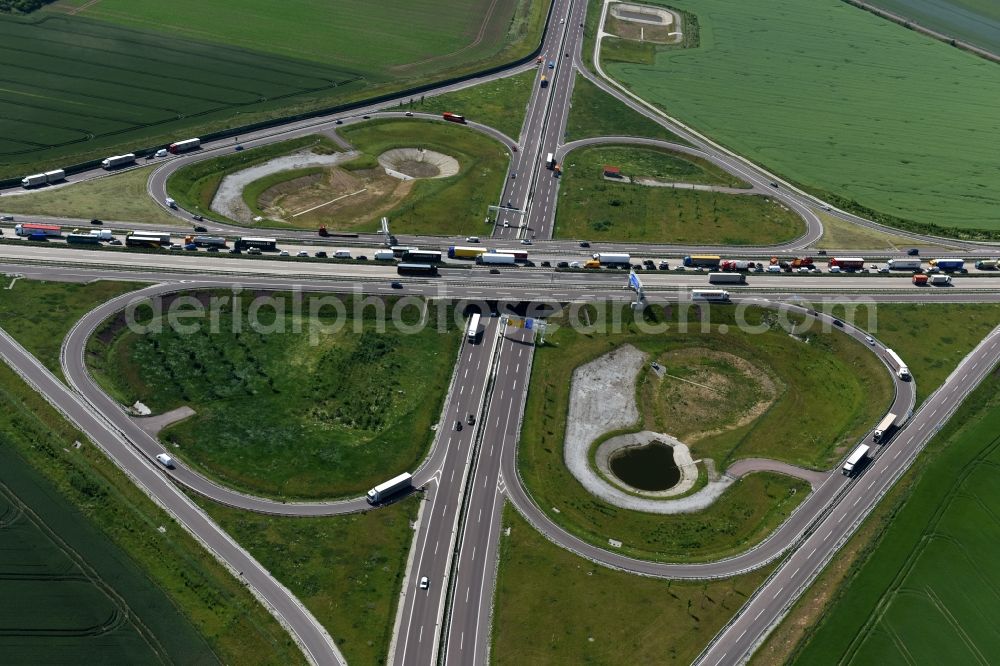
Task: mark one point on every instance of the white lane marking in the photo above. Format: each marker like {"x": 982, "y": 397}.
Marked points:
{"x": 420, "y": 638}
{"x": 779, "y": 591}
{"x": 436, "y": 544}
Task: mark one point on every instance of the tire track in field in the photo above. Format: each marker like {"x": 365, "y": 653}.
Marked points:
{"x": 487, "y": 17}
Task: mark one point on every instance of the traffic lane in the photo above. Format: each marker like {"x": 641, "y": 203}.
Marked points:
{"x": 422, "y": 609}
{"x": 468, "y": 633}
{"x": 769, "y": 603}
{"x": 307, "y": 631}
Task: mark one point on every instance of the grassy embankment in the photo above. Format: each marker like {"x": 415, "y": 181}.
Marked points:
{"x": 841, "y": 235}
{"x": 500, "y": 104}
{"x": 121, "y": 197}
{"x": 596, "y": 113}
{"x": 280, "y": 413}
{"x": 590, "y": 206}
{"x": 347, "y": 570}
{"x": 805, "y": 402}
{"x": 235, "y": 625}
{"x": 604, "y": 616}
{"x": 840, "y": 135}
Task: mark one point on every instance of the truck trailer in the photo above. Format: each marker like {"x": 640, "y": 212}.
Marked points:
{"x": 550, "y": 161}
{"x": 395, "y": 485}
{"x": 263, "y": 244}
{"x": 736, "y": 265}
{"x": 948, "y": 265}
{"x": 116, "y": 161}
{"x": 709, "y": 295}
{"x": 209, "y": 241}
{"x": 102, "y": 234}
{"x": 383, "y": 255}
{"x": 453, "y": 117}
{"x": 460, "y": 252}
{"x": 184, "y": 146}
{"x": 987, "y": 265}
{"x": 703, "y": 261}
{"x": 83, "y": 239}
{"x": 496, "y": 258}
{"x": 473, "y": 331}
{"x": 47, "y": 230}
{"x": 54, "y": 176}
{"x": 902, "y": 371}
{"x": 920, "y": 280}
{"x": 544, "y": 83}
{"x": 854, "y": 461}
{"x": 884, "y": 429}
{"x": 727, "y": 278}
{"x": 848, "y": 263}
{"x": 34, "y": 180}
{"x": 903, "y": 264}
{"x": 613, "y": 258}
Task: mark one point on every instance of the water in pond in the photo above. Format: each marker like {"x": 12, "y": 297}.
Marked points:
{"x": 649, "y": 467}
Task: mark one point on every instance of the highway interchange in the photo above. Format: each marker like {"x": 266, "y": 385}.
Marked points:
{"x": 470, "y": 472}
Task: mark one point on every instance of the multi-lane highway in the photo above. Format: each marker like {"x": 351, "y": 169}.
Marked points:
{"x": 471, "y": 471}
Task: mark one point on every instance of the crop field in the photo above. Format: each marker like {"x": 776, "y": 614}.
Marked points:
{"x": 976, "y": 22}
{"x": 928, "y": 591}
{"x": 801, "y": 401}
{"x": 596, "y": 113}
{"x": 287, "y": 404}
{"x": 110, "y": 77}
{"x": 593, "y": 207}
{"x": 604, "y": 616}
{"x": 841, "y": 102}
{"x": 69, "y": 595}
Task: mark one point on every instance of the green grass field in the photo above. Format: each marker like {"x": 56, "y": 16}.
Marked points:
{"x": 841, "y": 235}
{"x": 553, "y": 607}
{"x": 596, "y": 113}
{"x": 976, "y": 22}
{"x": 286, "y": 408}
{"x": 927, "y": 593}
{"x": 598, "y": 209}
{"x": 39, "y": 314}
{"x": 806, "y": 403}
{"x": 499, "y": 104}
{"x": 122, "y": 197}
{"x": 347, "y": 570}
{"x": 110, "y": 77}
{"x": 841, "y": 102}
{"x": 92, "y": 508}
{"x": 930, "y": 349}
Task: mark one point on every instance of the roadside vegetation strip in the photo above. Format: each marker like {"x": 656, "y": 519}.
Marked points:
{"x": 136, "y": 558}
{"x": 929, "y": 580}
{"x": 121, "y": 197}
{"x": 347, "y": 570}
{"x": 39, "y": 314}
{"x": 940, "y": 183}
{"x": 194, "y": 186}
{"x": 598, "y": 208}
{"x": 287, "y": 406}
{"x": 605, "y": 616}
{"x": 840, "y": 234}
{"x": 918, "y": 333}
{"x": 499, "y": 104}
{"x": 596, "y": 113}
{"x": 832, "y": 413}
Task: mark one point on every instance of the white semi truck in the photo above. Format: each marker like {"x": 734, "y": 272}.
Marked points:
{"x": 383, "y": 491}
{"x": 613, "y": 258}
{"x": 854, "y": 461}
{"x": 117, "y": 161}
{"x": 496, "y": 258}
{"x": 902, "y": 371}
{"x": 726, "y": 278}
{"x": 884, "y": 428}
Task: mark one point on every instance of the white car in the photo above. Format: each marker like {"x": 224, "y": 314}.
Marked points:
{"x": 870, "y": 340}
{"x": 302, "y": 253}
{"x": 424, "y": 583}
{"x": 525, "y": 241}
{"x": 165, "y": 460}
{"x": 472, "y": 239}
{"x": 283, "y": 253}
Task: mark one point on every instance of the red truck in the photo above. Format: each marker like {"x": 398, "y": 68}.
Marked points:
{"x": 920, "y": 279}
{"x": 736, "y": 265}
{"x": 848, "y": 263}
{"x": 453, "y": 117}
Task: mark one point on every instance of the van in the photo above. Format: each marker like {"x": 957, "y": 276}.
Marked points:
{"x": 165, "y": 460}
{"x": 342, "y": 254}
{"x": 773, "y": 269}
{"x": 162, "y": 152}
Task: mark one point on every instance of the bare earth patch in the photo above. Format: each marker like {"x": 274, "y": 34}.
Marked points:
{"x": 644, "y": 23}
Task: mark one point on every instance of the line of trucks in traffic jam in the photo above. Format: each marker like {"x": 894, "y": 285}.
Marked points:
{"x": 732, "y": 271}
{"x": 111, "y": 162}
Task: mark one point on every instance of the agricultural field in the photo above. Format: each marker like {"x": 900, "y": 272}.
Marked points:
{"x": 605, "y": 616}
{"x": 594, "y": 207}
{"x": 850, "y": 106}
{"x": 596, "y": 113}
{"x": 455, "y": 204}
{"x": 115, "y": 76}
{"x": 799, "y": 399}
{"x": 287, "y": 404}
{"x": 83, "y": 551}
{"x": 976, "y": 22}
{"x": 929, "y": 587}
{"x": 120, "y": 198}
{"x": 347, "y": 570}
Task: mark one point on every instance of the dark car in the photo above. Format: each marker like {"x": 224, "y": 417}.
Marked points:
{"x": 821, "y": 252}
{"x": 362, "y": 257}
{"x": 239, "y": 146}
{"x": 213, "y": 249}
{"x": 114, "y": 241}
{"x": 458, "y": 424}
{"x": 197, "y": 218}
{"x": 546, "y": 264}
{"x": 338, "y": 122}
{"x": 495, "y": 271}
{"x": 397, "y": 285}
{"x": 200, "y": 229}
{"x": 471, "y": 419}
{"x": 913, "y": 252}
{"x": 235, "y": 251}
{"x": 837, "y": 322}
{"x": 191, "y": 247}
{"x": 96, "y": 221}
{"x": 774, "y": 184}
{"x": 584, "y": 244}
{"x": 320, "y": 255}
{"x": 366, "y": 117}
{"x": 562, "y": 264}
{"x": 649, "y": 264}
